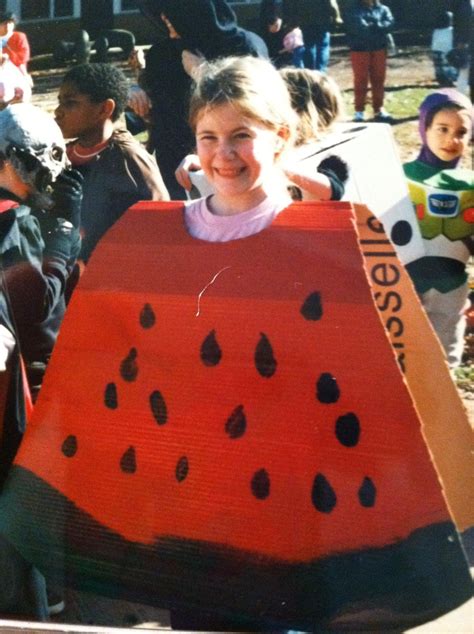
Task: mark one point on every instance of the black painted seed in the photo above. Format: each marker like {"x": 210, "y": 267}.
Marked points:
{"x": 147, "y": 317}
{"x": 327, "y": 389}
{"x": 401, "y": 233}
{"x": 265, "y": 362}
{"x": 312, "y": 308}
{"x": 182, "y": 468}
{"x": 128, "y": 367}
{"x": 260, "y": 484}
{"x": 128, "y": 462}
{"x": 158, "y": 407}
{"x": 367, "y": 493}
{"x": 348, "y": 430}
{"x": 69, "y": 446}
{"x": 110, "y": 396}
{"x": 236, "y": 424}
{"x": 211, "y": 353}
{"x": 323, "y": 495}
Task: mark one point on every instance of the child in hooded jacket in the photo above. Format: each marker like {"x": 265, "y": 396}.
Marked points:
{"x": 443, "y": 197}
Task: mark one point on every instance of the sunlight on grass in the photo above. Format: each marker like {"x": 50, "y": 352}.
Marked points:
{"x": 402, "y": 103}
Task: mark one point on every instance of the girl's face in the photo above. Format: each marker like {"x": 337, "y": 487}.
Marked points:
{"x": 238, "y": 157}
{"x": 449, "y": 134}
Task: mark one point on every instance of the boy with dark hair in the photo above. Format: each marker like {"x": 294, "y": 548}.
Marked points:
{"x": 117, "y": 169}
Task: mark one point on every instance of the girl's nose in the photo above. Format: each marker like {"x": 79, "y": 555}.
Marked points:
{"x": 226, "y": 149}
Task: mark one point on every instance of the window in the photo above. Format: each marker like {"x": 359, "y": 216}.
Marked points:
{"x": 41, "y": 9}
{"x": 35, "y": 10}
{"x": 63, "y": 8}
{"x": 129, "y": 5}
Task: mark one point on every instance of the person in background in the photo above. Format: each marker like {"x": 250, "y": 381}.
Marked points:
{"x": 367, "y": 24}
{"x": 197, "y": 30}
{"x": 117, "y": 169}
{"x": 272, "y": 32}
{"x": 316, "y": 18}
{"x": 463, "y": 24}
{"x": 442, "y": 193}
{"x": 40, "y": 201}
{"x": 441, "y": 45}
{"x": 293, "y": 45}
{"x": 15, "y": 82}
{"x": 14, "y": 44}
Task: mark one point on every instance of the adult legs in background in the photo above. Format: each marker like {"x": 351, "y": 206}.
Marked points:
{"x": 360, "y": 71}
{"x": 322, "y": 52}
{"x": 377, "y": 73}
{"x": 317, "y": 50}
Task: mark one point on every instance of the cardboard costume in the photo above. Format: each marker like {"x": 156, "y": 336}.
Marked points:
{"x": 442, "y": 194}
{"x": 239, "y": 436}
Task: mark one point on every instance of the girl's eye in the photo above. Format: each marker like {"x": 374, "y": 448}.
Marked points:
{"x": 206, "y": 137}
{"x": 243, "y": 135}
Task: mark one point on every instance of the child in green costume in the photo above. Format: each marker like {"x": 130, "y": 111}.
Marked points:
{"x": 443, "y": 198}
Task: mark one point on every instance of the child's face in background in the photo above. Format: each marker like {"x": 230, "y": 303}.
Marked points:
{"x": 76, "y": 114}
{"x": 449, "y": 133}
{"x": 237, "y": 155}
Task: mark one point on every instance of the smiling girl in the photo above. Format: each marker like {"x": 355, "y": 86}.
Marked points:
{"x": 243, "y": 121}
{"x": 443, "y": 197}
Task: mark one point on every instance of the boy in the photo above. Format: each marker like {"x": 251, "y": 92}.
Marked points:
{"x": 117, "y": 170}
{"x": 39, "y": 240}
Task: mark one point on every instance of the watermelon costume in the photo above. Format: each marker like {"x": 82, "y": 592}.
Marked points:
{"x": 225, "y": 426}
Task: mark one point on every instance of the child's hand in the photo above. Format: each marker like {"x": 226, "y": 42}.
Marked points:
{"x": 139, "y": 101}
{"x": 190, "y": 163}
{"x": 318, "y": 186}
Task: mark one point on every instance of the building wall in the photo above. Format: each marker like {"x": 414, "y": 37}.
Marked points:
{"x": 46, "y": 21}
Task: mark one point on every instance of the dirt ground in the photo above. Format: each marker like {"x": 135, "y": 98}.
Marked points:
{"x": 410, "y": 68}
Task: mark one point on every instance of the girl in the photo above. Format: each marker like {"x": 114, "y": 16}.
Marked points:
{"x": 443, "y": 197}
{"x": 317, "y": 102}
{"x": 243, "y": 121}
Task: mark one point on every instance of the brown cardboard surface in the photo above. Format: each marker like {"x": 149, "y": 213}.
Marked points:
{"x": 445, "y": 424}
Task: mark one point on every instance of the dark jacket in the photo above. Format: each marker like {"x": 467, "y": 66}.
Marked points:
{"x": 205, "y": 26}
{"x": 115, "y": 179}
{"x": 37, "y": 254}
{"x": 367, "y": 27}
{"x": 210, "y": 27}
{"x": 315, "y": 16}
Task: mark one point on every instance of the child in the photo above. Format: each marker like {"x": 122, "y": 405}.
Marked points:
{"x": 293, "y": 44}
{"x": 14, "y": 44}
{"x": 443, "y": 197}
{"x": 117, "y": 170}
{"x": 368, "y": 23}
{"x": 317, "y": 102}
{"x": 441, "y": 45}
{"x": 39, "y": 229}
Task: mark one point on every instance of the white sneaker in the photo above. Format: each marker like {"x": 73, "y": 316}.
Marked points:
{"x": 358, "y": 116}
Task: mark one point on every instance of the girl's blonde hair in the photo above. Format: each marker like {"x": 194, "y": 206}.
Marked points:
{"x": 253, "y": 86}
{"x": 316, "y": 99}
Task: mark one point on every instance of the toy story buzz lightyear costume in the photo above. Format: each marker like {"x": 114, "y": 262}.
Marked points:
{"x": 443, "y": 197}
